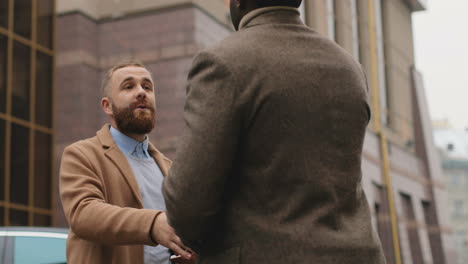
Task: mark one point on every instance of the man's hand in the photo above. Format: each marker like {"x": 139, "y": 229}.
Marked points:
{"x": 165, "y": 235}
{"x": 180, "y": 260}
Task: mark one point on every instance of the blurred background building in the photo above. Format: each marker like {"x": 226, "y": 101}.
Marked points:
{"x": 453, "y": 149}
{"x": 50, "y": 94}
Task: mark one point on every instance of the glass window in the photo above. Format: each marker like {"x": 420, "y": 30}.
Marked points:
{"x": 21, "y": 81}
{"x": 411, "y": 229}
{"x": 331, "y": 19}
{"x": 458, "y": 208}
{"x": 2, "y": 160}
{"x": 407, "y": 206}
{"x": 42, "y": 220}
{"x": 450, "y": 147}
{"x": 427, "y": 208}
{"x": 4, "y": 13}
{"x": 383, "y": 93}
{"x": 355, "y": 24}
{"x": 378, "y": 218}
{"x": 456, "y": 180}
{"x": 19, "y": 164}
{"x": 44, "y": 90}
{"x": 45, "y": 10}
{"x": 3, "y": 72}
{"x": 434, "y": 237}
{"x": 23, "y": 14}
{"x": 42, "y": 171}
{"x": 18, "y": 218}
{"x": 362, "y": 31}
{"x": 39, "y": 250}
{"x": 303, "y": 12}
{"x": 384, "y": 227}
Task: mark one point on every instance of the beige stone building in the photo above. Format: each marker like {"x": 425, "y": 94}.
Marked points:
{"x": 401, "y": 173}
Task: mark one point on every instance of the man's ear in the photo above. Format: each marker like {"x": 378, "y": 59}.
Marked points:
{"x": 106, "y": 105}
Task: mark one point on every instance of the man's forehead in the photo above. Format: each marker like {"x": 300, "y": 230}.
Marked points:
{"x": 131, "y": 71}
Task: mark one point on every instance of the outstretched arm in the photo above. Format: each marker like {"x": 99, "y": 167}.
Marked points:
{"x": 91, "y": 218}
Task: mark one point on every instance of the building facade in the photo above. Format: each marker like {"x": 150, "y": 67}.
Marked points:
{"x": 453, "y": 149}
{"x": 404, "y": 188}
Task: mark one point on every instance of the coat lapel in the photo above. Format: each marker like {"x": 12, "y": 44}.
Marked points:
{"x": 118, "y": 158}
{"x": 163, "y": 162}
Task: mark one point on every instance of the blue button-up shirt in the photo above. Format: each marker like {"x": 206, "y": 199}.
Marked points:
{"x": 130, "y": 146}
{"x": 149, "y": 178}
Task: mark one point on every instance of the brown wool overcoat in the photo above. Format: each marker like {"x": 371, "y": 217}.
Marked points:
{"x": 269, "y": 168}
{"x": 103, "y": 204}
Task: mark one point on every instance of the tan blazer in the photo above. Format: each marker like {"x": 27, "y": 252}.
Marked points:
{"x": 102, "y": 202}
{"x": 269, "y": 169}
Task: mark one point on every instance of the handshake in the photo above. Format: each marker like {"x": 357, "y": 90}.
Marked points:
{"x": 164, "y": 234}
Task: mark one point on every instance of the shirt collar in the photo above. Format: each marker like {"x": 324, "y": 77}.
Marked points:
{"x": 259, "y": 11}
{"x": 130, "y": 146}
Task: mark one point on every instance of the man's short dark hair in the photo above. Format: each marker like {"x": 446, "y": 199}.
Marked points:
{"x": 105, "y": 86}
{"x": 266, "y": 3}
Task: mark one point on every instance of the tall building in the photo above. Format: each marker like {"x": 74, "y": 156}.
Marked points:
{"x": 401, "y": 175}
{"x": 27, "y": 53}
{"x": 453, "y": 148}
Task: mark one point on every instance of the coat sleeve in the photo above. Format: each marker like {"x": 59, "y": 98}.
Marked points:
{"x": 88, "y": 214}
{"x": 196, "y": 183}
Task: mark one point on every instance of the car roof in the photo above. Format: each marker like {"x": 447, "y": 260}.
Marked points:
{"x": 35, "y": 229}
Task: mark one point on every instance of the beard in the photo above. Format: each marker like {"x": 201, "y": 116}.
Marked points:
{"x": 131, "y": 122}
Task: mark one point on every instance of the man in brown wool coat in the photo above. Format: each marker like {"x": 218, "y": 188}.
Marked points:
{"x": 269, "y": 167}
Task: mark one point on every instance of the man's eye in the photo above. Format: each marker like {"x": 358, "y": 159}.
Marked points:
{"x": 147, "y": 87}
{"x": 128, "y": 87}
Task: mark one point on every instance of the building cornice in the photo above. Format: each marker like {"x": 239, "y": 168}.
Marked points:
{"x": 417, "y": 5}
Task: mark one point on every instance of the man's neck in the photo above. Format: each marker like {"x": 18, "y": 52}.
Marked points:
{"x": 137, "y": 137}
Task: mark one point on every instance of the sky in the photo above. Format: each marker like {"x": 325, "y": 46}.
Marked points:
{"x": 441, "y": 50}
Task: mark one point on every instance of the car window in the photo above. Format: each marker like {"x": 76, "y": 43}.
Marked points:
{"x": 29, "y": 250}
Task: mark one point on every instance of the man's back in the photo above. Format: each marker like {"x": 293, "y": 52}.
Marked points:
{"x": 293, "y": 193}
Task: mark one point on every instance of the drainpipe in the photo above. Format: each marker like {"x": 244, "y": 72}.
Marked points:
{"x": 377, "y": 126}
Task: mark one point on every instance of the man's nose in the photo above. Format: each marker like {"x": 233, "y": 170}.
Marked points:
{"x": 141, "y": 93}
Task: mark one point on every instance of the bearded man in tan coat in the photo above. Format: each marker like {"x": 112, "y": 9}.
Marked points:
{"x": 110, "y": 185}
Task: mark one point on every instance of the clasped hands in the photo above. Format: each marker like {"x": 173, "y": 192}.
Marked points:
{"x": 165, "y": 235}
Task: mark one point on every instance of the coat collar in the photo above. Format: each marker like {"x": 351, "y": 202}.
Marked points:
{"x": 113, "y": 152}
{"x": 260, "y": 16}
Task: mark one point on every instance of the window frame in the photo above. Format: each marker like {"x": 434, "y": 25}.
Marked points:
{"x": 11, "y": 37}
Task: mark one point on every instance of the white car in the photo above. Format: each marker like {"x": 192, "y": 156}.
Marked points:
{"x": 33, "y": 245}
